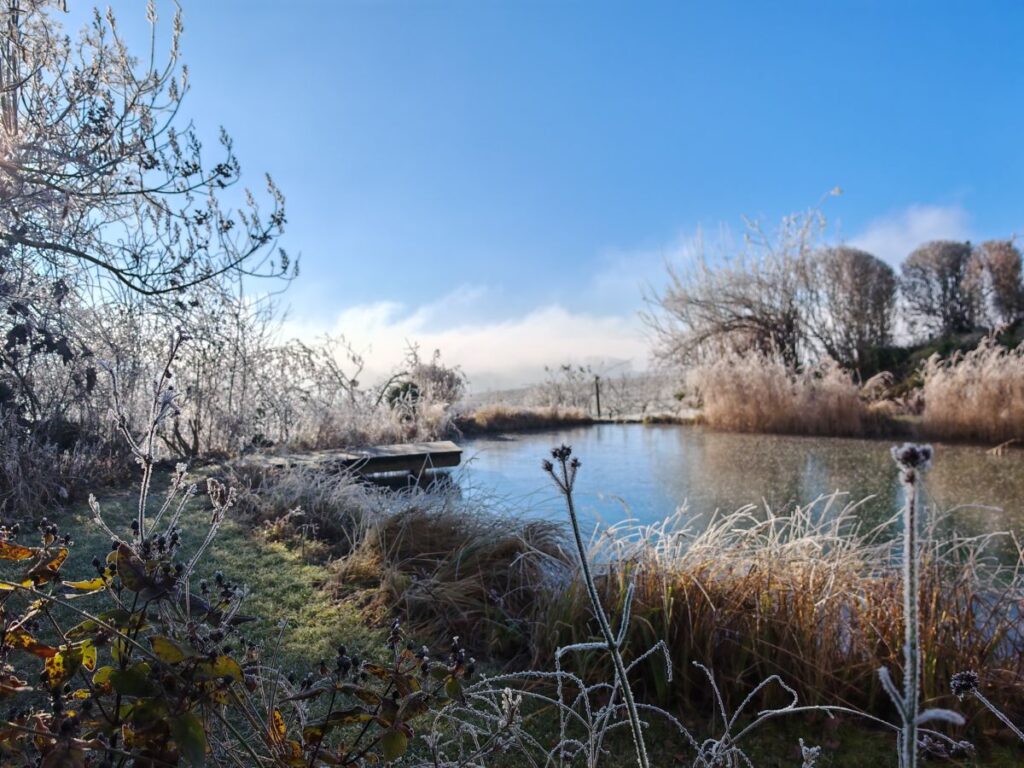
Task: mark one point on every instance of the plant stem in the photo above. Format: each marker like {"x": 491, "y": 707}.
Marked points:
{"x": 995, "y": 711}
{"x": 602, "y": 620}
{"x": 912, "y": 619}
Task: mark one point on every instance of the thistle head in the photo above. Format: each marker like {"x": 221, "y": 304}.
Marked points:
{"x": 912, "y": 458}
{"x": 964, "y": 683}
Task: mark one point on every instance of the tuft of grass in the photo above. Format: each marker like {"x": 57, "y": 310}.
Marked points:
{"x": 449, "y": 570}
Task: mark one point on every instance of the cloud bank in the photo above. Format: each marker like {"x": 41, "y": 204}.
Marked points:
{"x": 494, "y": 353}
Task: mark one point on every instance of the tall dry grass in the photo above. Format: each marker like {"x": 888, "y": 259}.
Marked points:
{"x": 809, "y": 595}
{"x": 511, "y": 418}
{"x": 755, "y": 392}
{"x": 977, "y": 395}
{"x": 449, "y": 570}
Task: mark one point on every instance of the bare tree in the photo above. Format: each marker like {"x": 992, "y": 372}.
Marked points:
{"x": 750, "y": 300}
{"x": 998, "y": 267}
{"x": 941, "y": 289}
{"x": 851, "y": 303}
{"x": 98, "y": 169}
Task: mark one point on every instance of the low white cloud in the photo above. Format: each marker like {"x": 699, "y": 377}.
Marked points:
{"x": 894, "y": 236}
{"x": 494, "y": 353}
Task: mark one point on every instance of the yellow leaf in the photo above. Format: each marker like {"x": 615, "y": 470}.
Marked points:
{"x": 23, "y": 641}
{"x": 11, "y": 551}
{"x": 167, "y": 650}
{"x": 88, "y": 585}
{"x": 43, "y": 572}
{"x": 222, "y": 666}
{"x": 88, "y": 656}
{"x": 61, "y": 666}
{"x": 278, "y": 729}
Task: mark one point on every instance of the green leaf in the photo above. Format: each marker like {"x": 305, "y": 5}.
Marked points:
{"x": 133, "y": 681}
{"x": 453, "y": 688}
{"x": 168, "y": 651}
{"x": 394, "y": 743}
{"x": 189, "y": 734}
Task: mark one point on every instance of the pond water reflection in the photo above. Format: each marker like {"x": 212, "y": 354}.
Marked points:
{"x": 652, "y": 470}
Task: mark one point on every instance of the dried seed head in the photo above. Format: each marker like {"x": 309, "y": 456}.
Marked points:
{"x": 963, "y": 683}
{"x": 911, "y": 457}
{"x": 562, "y": 452}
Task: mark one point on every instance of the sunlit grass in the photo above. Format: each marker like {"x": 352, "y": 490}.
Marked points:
{"x": 283, "y": 585}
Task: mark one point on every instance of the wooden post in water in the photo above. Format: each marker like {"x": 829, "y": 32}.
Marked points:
{"x": 597, "y": 393}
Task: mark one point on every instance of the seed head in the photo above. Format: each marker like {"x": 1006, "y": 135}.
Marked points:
{"x": 911, "y": 457}
{"x": 562, "y": 452}
{"x": 963, "y": 683}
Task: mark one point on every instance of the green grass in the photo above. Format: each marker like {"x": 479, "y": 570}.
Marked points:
{"x": 844, "y": 743}
{"x": 284, "y": 586}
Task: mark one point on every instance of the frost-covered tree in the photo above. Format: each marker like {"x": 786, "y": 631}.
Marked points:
{"x": 107, "y": 193}
{"x": 851, "y": 303}
{"x": 941, "y": 289}
{"x": 98, "y": 168}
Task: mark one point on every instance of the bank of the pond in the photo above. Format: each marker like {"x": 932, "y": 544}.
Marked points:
{"x": 747, "y": 601}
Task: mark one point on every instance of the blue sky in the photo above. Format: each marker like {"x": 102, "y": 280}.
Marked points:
{"x": 501, "y": 178}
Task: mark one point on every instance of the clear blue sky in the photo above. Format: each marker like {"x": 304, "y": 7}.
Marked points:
{"x": 486, "y": 160}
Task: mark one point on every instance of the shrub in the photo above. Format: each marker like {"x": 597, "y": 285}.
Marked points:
{"x": 157, "y": 671}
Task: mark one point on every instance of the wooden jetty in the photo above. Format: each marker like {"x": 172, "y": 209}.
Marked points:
{"x": 413, "y": 458}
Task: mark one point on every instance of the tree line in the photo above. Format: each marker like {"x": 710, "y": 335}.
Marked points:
{"x": 788, "y": 293}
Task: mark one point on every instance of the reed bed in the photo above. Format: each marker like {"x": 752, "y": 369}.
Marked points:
{"x": 809, "y": 595}
{"x": 448, "y": 570}
{"x": 755, "y": 392}
{"x": 510, "y": 418}
{"x": 977, "y": 395}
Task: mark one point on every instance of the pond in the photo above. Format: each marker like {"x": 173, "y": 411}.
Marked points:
{"x": 647, "y": 472}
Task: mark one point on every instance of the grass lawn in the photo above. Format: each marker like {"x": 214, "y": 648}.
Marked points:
{"x": 283, "y": 585}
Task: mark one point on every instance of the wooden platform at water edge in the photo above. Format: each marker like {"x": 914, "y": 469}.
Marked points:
{"x": 413, "y": 458}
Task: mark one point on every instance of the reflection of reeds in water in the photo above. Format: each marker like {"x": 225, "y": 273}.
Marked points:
{"x": 728, "y": 470}
{"x": 976, "y": 396}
